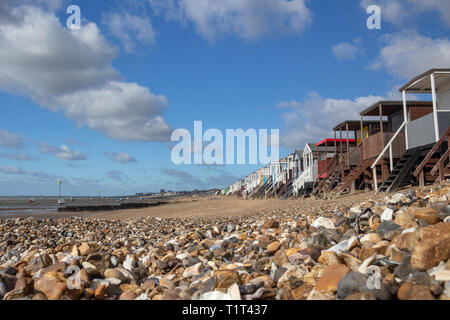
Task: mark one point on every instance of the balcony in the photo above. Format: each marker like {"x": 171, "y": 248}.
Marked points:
{"x": 421, "y": 131}
{"x": 374, "y": 145}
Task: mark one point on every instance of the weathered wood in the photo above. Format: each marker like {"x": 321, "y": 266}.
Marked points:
{"x": 374, "y": 145}
{"x": 432, "y": 152}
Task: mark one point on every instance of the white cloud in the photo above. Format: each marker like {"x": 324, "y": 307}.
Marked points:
{"x": 346, "y": 50}
{"x": 17, "y": 156}
{"x": 400, "y": 11}
{"x": 11, "y": 170}
{"x": 116, "y": 175}
{"x": 71, "y": 72}
{"x": 63, "y": 152}
{"x": 408, "y": 54}
{"x": 129, "y": 29}
{"x": 248, "y": 19}
{"x": 11, "y": 140}
{"x": 313, "y": 119}
{"x": 119, "y": 157}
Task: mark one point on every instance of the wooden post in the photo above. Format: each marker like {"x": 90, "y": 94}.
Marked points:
{"x": 421, "y": 179}
{"x": 405, "y": 117}
{"x": 383, "y": 163}
{"x": 435, "y": 117}
{"x": 361, "y": 142}
{"x": 340, "y": 148}
{"x": 348, "y": 147}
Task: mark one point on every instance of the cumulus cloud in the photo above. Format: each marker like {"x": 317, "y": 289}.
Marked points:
{"x": 346, "y": 50}
{"x": 129, "y": 29}
{"x": 407, "y": 54}
{"x": 71, "y": 71}
{"x": 63, "y": 152}
{"x": 119, "y": 157}
{"x": 11, "y": 170}
{"x": 313, "y": 119}
{"x": 11, "y": 140}
{"x": 394, "y": 11}
{"x": 248, "y": 19}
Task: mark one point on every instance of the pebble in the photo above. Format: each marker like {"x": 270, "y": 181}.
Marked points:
{"x": 328, "y": 251}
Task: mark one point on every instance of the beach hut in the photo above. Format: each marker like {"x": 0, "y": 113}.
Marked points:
{"x": 427, "y": 130}
{"x": 384, "y": 150}
{"x": 298, "y": 163}
{"x": 338, "y": 155}
{"x": 303, "y": 184}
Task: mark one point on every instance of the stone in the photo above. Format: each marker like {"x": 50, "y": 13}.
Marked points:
{"x": 39, "y": 296}
{"x": 52, "y": 285}
{"x": 405, "y": 220}
{"x": 192, "y": 271}
{"x": 407, "y": 240}
{"x": 313, "y": 252}
{"x": 361, "y": 296}
{"x": 115, "y": 273}
{"x": 395, "y": 254}
{"x": 345, "y": 245}
{"x": 353, "y": 282}
{"x": 434, "y": 246}
{"x": 329, "y": 258}
{"x": 387, "y": 230}
{"x": 430, "y": 215}
{"x": 100, "y": 292}
{"x": 128, "y": 295}
{"x": 75, "y": 252}
{"x": 271, "y": 224}
{"x": 440, "y": 272}
{"x": 331, "y": 277}
{"x": 3, "y": 290}
{"x": 409, "y": 291}
{"x": 280, "y": 258}
{"x": 215, "y": 295}
{"x": 273, "y": 247}
{"x": 369, "y": 240}
{"x": 39, "y": 262}
{"x": 366, "y": 253}
{"x": 233, "y": 292}
{"x": 323, "y": 222}
{"x": 444, "y": 212}
{"x": 302, "y": 292}
{"x": 405, "y": 268}
{"x": 321, "y": 296}
{"x": 84, "y": 249}
{"x": 387, "y": 215}
{"x": 351, "y": 261}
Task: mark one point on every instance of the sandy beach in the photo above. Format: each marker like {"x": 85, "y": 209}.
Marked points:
{"x": 198, "y": 207}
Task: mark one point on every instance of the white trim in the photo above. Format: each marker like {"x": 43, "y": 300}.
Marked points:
{"x": 435, "y": 117}
{"x": 405, "y": 116}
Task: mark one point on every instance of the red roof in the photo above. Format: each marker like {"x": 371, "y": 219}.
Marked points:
{"x": 331, "y": 141}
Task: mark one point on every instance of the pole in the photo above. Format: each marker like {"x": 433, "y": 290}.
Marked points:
{"x": 435, "y": 117}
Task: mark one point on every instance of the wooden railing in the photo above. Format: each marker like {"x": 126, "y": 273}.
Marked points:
{"x": 419, "y": 170}
{"x": 373, "y": 145}
{"x": 388, "y": 146}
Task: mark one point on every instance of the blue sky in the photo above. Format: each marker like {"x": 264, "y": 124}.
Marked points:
{"x": 299, "y": 66}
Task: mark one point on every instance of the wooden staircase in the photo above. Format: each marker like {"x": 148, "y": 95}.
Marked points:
{"x": 352, "y": 176}
{"x": 430, "y": 165}
{"x": 401, "y": 171}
